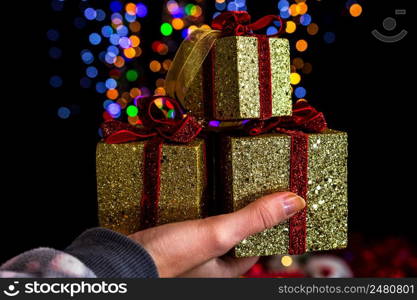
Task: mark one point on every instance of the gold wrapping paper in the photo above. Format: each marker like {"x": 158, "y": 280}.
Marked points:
{"x": 255, "y": 166}
{"x": 237, "y": 80}
{"x": 119, "y": 170}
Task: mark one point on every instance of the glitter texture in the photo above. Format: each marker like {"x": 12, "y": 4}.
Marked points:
{"x": 236, "y": 80}
{"x": 255, "y": 166}
{"x": 120, "y": 184}
{"x": 280, "y": 81}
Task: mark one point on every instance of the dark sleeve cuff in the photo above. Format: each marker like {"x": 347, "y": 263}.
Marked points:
{"x": 112, "y": 255}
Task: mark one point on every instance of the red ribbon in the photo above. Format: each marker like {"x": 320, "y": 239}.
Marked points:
{"x": 305, "y": 119}
{"x": 156, "y": 130}
{"x": 237, "y": 23}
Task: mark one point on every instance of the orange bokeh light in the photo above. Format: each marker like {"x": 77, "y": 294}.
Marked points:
{"x": 355, "y": 10}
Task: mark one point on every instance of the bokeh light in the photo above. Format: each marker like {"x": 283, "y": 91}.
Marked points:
{"x": 301, "y": 45}
{"x": 94, "y": 38}
{"x": 329, "y": 37}
{"x": 64, "y": 112}
{"x": 55, "y": 81}
{"x": 295, "y": 78}
{"x": 355, "y": 10}
{"x": 166, "y": 29}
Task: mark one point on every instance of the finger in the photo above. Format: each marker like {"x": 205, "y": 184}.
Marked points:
{"x": 228, "y": 230}
{"x": 222, "y": 268}
{"x": 179, "y": 247}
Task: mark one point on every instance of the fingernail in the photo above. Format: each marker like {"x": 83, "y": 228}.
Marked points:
{"x": 293, "y": 204}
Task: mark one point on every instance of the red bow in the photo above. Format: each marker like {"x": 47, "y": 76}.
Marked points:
{"x": 305, "y": 118}
{"x": 181, "y": 129}
{"x": 238, "y": 23}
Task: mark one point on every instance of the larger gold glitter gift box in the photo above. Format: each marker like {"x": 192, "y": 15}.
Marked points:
{"x": 232, "y": 84}
{"x": 119, "y": 170}
{"x": 259, "y": 165}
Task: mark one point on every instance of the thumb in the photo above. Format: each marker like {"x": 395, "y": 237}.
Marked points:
{"x": 229, "y": 229}
{"x": 181, "y": 246}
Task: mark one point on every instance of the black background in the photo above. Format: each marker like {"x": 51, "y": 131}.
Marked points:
{"x": 48, "y": 193}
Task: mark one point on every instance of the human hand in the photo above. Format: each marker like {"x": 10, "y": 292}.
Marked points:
{"x": 194, "y": 248}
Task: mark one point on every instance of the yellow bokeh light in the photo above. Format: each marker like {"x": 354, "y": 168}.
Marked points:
{"x": 295, "y": 78}
{"x": 134, "y": 40}
{"x": 312, "y": 29}
{"x": 131, "y": 9}
{"x": 155, "y": 66}
{"x": 160, "y": 91}
{"x": 291, "y": 27}
{"x": 220, "y": 1}
{"x": 205, "y": 26}
{"x": 301, "y": 45}
{"x": 196, "y": 11}
{"x": 293, "y": 10}
{"x": 302, "y": 8}
{"x": 191, "y": 28}
{"x": 177, "y": 23}
{"x": 286, "y": 261}
{"x": 355, "y": 10}
{"x": 129, "y": 52}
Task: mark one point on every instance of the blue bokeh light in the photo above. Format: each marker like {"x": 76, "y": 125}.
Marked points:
{"x": 122, "y": 30}
{"x": 107, "y": 31}
{"x": 101, "y": 15}
{"x": 116, "y": 6}
{"x": 64, "y": 112}
{"x": 90, "y": 13}
{"x": 141, "y": 10}
{"x": 114, "y": 39}
{"x": 52, "y": 34}
{"x": 94, "y": 38}
{"x": 111, "y": 83}
{"x": 271, "y": 30}
{"x": 91, "y": 72}
{"x": 56, "y": 81}
{"x": 329, "y": 37}
{"x": 300, "y": 92}
{"x": 305, "y": 19}
{"x": 87, "y": 56}
{"x": 100, "y": 87}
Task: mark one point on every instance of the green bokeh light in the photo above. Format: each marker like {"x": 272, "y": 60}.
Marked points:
{"x": 132, "y": 111}
{"x": 132, "y": 75}
{"x": 166, "y": 29}
{"x": 188, "y": 9}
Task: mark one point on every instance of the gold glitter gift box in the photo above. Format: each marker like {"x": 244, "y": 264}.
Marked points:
{"x": 258, "y": 165}
{"x": 119, "y": 170}
{"x": 232, "y": 80}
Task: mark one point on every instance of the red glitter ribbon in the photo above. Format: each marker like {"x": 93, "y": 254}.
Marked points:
{"x": 237, "y": 23}
{"x": 305, "y": 119}
{"x": 156, "y": 130}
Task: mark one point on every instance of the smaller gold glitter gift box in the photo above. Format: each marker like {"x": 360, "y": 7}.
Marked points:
{"x": 258, "y": 165}
{"x": 119, "y": 169}
{"x": 236, "y": 79}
